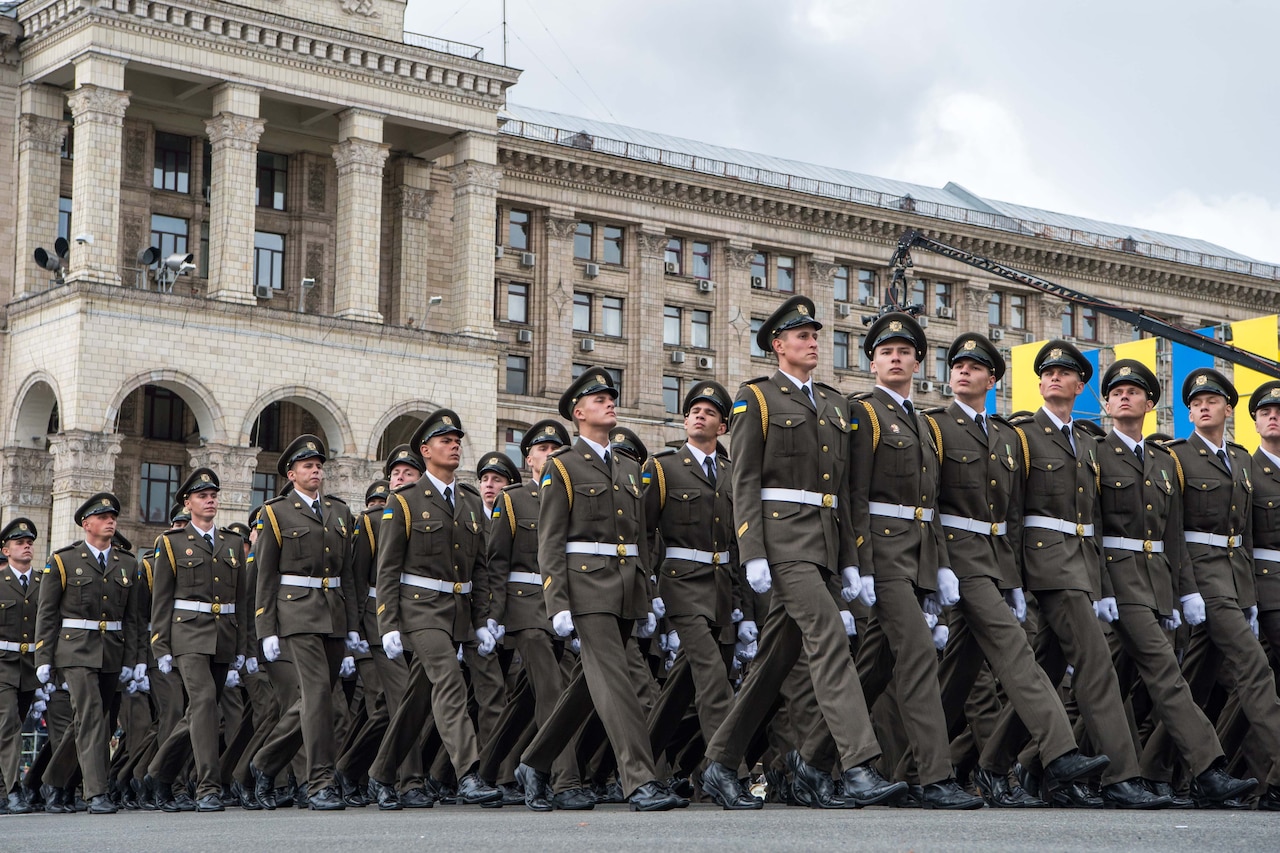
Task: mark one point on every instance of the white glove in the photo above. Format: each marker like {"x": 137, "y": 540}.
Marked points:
{"x": 39, "y": 706}
{"x": 233, "y": 678}
{"x": 353, "y": 641}
{"x": 238, "y": 663}
{"x": 347, "y": 667}
{"x": 164, "y": 663}
{"x": 1106, "y": 609}
{"x": 1173, "y": 622}
{"x": 1251, "y": 615}
{"x": 850, "y": 627}
{"x": 485, "y": 641}
{"x": 648, "y": 626}
{"x": 391, "y": 645}
{"x": 498, "y": 631}
{"x": 562, "y": 623}
{"x": 140, "y": 672}
{"x": 251, "y": 665}
{"x": 940, "y": 636}
{"x": 673, "y": 642}
{"x": 745, "y": 651}
{"x": 758, "y": 574}
{"x": 948, "y": 587}
{"x": 868, "y": 594}
{"x": 363, "y": 646}
{"x": 931, "y": 607}
{"x": 747, "y": 631}
{"x": 659, "y": 607}
{"x": 132, "y": 686}
{"x": 41, "y": 693}
{"x": 126, "y": 673}
{"x": 575, "y": 646}
{"x": 145, "y": 684}
{"x": 1017, "y": 601}
{"x": 736, "y": 615}
{"x": 930, "y": 619}
{"x": 1193, "y": 608}
{"x": 852, "y": 583}
{"x": 271, "y": 648}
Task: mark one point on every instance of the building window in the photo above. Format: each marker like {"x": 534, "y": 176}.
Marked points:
{"x": 266, "y": 433}
{"x": 582, "y": 312}
{"x": 611, "y": 316}
{"x": 264, "y": 487}
{"x": 517, "y": 302}
{"x": 756, "y": 352}
{"x": 518, "y": 229}
{"x": 941, "y": 296}
{"x": 169, "y": 235}
{"x": 612, "y": 244}
{"x": 273, "y": 175}
{"x": 995, "y": 308}
{"x": 701, "y": 260}
{"x": 68, "y": 151}
{"x": 786, "y": 274}
{"x": 840, "y": 343}
{"x": 1087, "y": 328}
{"x": 671, "y": 325}
{"x": 760, "y": 271}
{"x": 864, "y": 361}
{"x": 841, "y": 281}
{"x": 579, "y": 369}
{"x": 701, "y": 328}
{"x": 941, "y": 370}
{"x": 1017, "y": 311}
{"x": 172, "y": 170}
{"x": 512, "y": 437}
{"x": 268, "y": 260}
{"x": 517, "y": 374}
{"x": 582, "y": 239}
{"x": 159, "y": 491}
{"x": 616, "y": 374}
{"x": 64, "y": 218}
{"x": 163, "y": 413}
{"x": 671, "y": 394}
{"x": 916, "y": 295}
{"x": 867, "y": 287}
{"x": 673, "y": 259}
{"x": 1068, "y": 321}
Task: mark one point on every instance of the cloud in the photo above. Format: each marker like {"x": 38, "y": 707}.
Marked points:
{"x": 1244, "y": 222}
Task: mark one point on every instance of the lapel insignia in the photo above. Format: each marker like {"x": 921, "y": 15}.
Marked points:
{"x": 190, "y": 552}
{"x": 894, "y": 428}
{"x": 79, "y": 571}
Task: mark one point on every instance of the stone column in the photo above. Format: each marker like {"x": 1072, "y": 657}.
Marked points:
{"x": 733, "y": 301}
{"x": 84, "y": 463}
{"x": 98, "y": 105}
{"x": 1050, "y": 310}
{"x": 234, "y": 132}
{"x": 347, "y": 477}
{"x": 26, "y": 490}
{"x": 975, "y": 307}
{"x": 475, "y": 204}
{"x": 41, "y": 132}
{"x": 411, "y": 246}
{"x": 360, "y": 158}
{"x": 235, "y": 467}
{"x": 553, "y": 332}
{"x": 644, "y": 328}
{"x": 822, "y": 290}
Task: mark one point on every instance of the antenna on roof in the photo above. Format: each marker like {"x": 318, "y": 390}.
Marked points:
{"x": 504, "y": 32}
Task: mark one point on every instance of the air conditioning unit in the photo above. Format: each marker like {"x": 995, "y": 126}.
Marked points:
{"x": 525, "y": 336}
{"x": 1071, "y": 339}
{"x": 924, "y": 387}
{"x": 1029, "y": 337}
{"x": 498, "y": 251}
{"x": 592, "y": 270}
{"x": 923, "y": 321}
{"x": 587, "y": 344}
{"x": 670, "y": 268}
{"x": 757, "y": 281}
{"x": 263, "y": 291}
{"x": 843, "y": 309}
{"x": 865, "y": 300}
{"x": 706, "y": 362}
{"x": 706, "y": 285}
{"x": 677, "y": 357}
{"x": 527, "y": 259}
{"x": 947, "y": 392}
{"x": 946, "y": 313}
{"x": 997, "y": 334}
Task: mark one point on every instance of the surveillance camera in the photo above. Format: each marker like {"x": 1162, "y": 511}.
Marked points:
{"x": 435, "y": 300}
{"x": 84, "y": 239}
{"x": 308, "y": 282}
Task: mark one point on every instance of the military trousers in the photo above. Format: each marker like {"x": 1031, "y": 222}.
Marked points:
{"x": 309, "y": 722}
{"x": 197, "y": 732}
{"x": 700, "y": 675}
{"x": 91, "y": 692}
{"x": 14, "y": 705}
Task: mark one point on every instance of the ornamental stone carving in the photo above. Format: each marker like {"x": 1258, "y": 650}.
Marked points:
{"x": 235, "y": 467}
{"x": 475, "y": 175}
{"x": 414, "y": 203}
{"x": 94, "y": 104}
{"x": 739, "y": 258}
{"x": 27, "y": 474}
{"x": 228, "y": 130}
{"x": 135, "y": 153}
{"x": 652, "y": 245}
{"x": 560, "y": 229}
{"x": 348, "y": 477}
{"x": 84, "y": 462}
{"x": 315, "y": 186}
{"x": 822, "y": 271}
{"x": 40, "y": 134}
{"x": 360, "y": 9}
{"x": 976, "y": 296}
{"x": 360, "y": 157}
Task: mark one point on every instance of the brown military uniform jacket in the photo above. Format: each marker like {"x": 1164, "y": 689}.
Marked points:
{"x": 364, "y": 570}
{"x": 684, "y": 509}
{"x": 513, "y": 547}
{"x": 781, "y": 440}
{"x": 420, "y": 536}
{"x": 18, "y": 625}
{"x": 1062, "y": 485}
{"x": 895, "y": 461}
{"x": 1143, "y": 501}
{"x": 983, "y": 477}
{"x": 74, "y": 587}
{"x": 583, "y": 501}
{"x": 1266, "y": 529}
{"x": 186, "y": 569}
{"x": 293, "y": 541}
{"x": 1218, "y": 501}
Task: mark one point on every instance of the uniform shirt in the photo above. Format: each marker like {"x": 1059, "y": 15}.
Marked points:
{"x": 75, "y": 587}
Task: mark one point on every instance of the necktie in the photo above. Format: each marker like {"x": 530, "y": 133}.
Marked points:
{"x": 1066, "y": 430}
{"x": 1137, "y": 449}
{"x": 448, "y": 496}
{"x": 908, "y": 408}
{"x": 981, "y": 422}
{"x": 711, "y": 469}
{"x": 102, "y": 563}
{"x": 24, "y": 584}
{"x": 608, "y": 459}
{"x": 808, "y": 392}
{"x": 1222, "y": 454}
{"x": 208, "y": 537}
{"x": 315, "y": 507}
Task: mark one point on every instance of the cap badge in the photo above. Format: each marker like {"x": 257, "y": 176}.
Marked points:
{"x": 802, "y": 310}
{"x": 600, "y": 380}
{"x": 1201, "y": 379}
{"x": 619, "y": 438}
{"x": 970, "y": 345}
{"x": 550, "y": 430}
{"x": 1125, "y": 371}
{"x": 106, "y": 502}
{"x": 1275, "y": 392}
{"x": 204, "y": 478}
{"x": 1056, "y": 352}
{"x": 895, "y": 326}
{"x": 708, "y": 390}
{"x": 448, "y": 421}
{"x": 311, "y": 445}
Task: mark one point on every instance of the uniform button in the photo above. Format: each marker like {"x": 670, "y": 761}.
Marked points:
{"x": 826, "y": 476}
{"x": 775, "y": 515}
{"x": 821, "y": 422}
{"x": 619, "y": 512}
{"x": 415, "y": 595}
{"x": 456, "y": 546}
{"x": 993, "y": 482}
{"x": 583, "y": 568}
{"x": 104, "y": 598}
{"x": 1081, "y": 489}
{"x": 326, "y": 549}
{"x": 886, "y": 531}
{"x": 1049, "y": 467}
{"x": 1039, "y": 544}
{"x": 824, "y": 448}
{"x": 951, "y": 536}
{"x": 717, "y": 518}
{"x": 622, "y": 562}
{"x": 1148, "y": 482}
{"x": 1108, "y": 558}
{"x": 615, "y": 487}
{"x": 1233, "y": 507}
{"x": 993, "y": 457}
{"x": 1148, "y": 507}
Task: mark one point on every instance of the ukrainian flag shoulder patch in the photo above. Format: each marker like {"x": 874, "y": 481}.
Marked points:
{"x": 546, "y": 480}
{"x": 497, "y": 512}
{"x": 388, "y": 514}
{"x": 739, "y": 407}
{"x": 646, "y": 478}
{"x": 853, "y": 423}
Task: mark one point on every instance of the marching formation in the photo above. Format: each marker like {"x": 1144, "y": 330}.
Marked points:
{"x": 862, "y": 604}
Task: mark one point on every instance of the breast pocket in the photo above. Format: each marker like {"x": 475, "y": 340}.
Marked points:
{"x": 295, "y": 543}
{"x": 190, "y": 576}
{"x": 898, "y": 455}
{"x": 683, "y": 506}
{"x": 9, "y": 612}
{"x": 786, "y": 436}
{"x": 81, "y": 589}
{"x": 592, "y": 501}
{"x": 962, "y": 470}
{"x": 1202, "y": 498}
{"x": 526, "y": 535}
{"x": 1048, "y": 476}
{"x": 1120, "y": 495}
{"x": 427, "y": 538}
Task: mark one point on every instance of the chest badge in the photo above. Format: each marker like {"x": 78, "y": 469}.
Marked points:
{"x": 894, "y": 428}
{"x": 190, "y": 552}
{"x": 79, "y": 571}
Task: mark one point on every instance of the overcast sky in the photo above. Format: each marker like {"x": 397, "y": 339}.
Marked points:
{"x": 1158, "y": 114}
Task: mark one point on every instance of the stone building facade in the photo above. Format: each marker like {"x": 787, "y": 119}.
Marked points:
{"x": 373, "y": 237}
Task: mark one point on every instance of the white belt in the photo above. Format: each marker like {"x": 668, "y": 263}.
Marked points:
{"x": 373, "y": 592}
{"x": 918, "y": 513}
{"x": 601, "y": 549}
{"x": 1123, "y": 543}
{"x": 21, "y": 648}
{"x": 1213, "y": 539}
{"x": 800, "y": 496}
{"x": 713, "y": 558}
{"x": 973, "y": 525}
{"x": 438, "y": 586}
{"x": 525, "y": 577}
{"x": 203, "y": 607}
{"x": 89, "y": 625}
{"x": 1271, "y": 555}
{"x": 1050, "y": 523}
{"x": 314, "y": 583}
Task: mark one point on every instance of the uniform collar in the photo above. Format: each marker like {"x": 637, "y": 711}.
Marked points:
{"x": 894, "y": 395}
{"x": 208, "y": 532}
{"x": 973, "y": 414}
{"x": 1128, "y": 442}
{"x": 105, "y": 554}
{"x": 439, "y": 484}
{"x": 1214, "y": 447}
{"x": 697, "y": 454}
{"x": 600, "y": 449}
{"x": 1275, "y": 460}
{"x": 798, "y": 383}
{"x": 1054, "y": 418}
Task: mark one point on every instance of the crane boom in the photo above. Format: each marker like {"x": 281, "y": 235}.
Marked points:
{"x": 1139, "y": 319}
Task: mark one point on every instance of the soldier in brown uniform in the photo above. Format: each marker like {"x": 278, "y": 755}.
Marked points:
{"x": 430, "y": 551}
{"x": 198, "y": 617}
{"x": 306, "y": 599}
{"x": 19, "y": 597}
{"x": 88, "y": 629}
{"x": 1062, "y": 566}
{"x": 791, "y": 517}
{"x": 1264, "y": 407}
